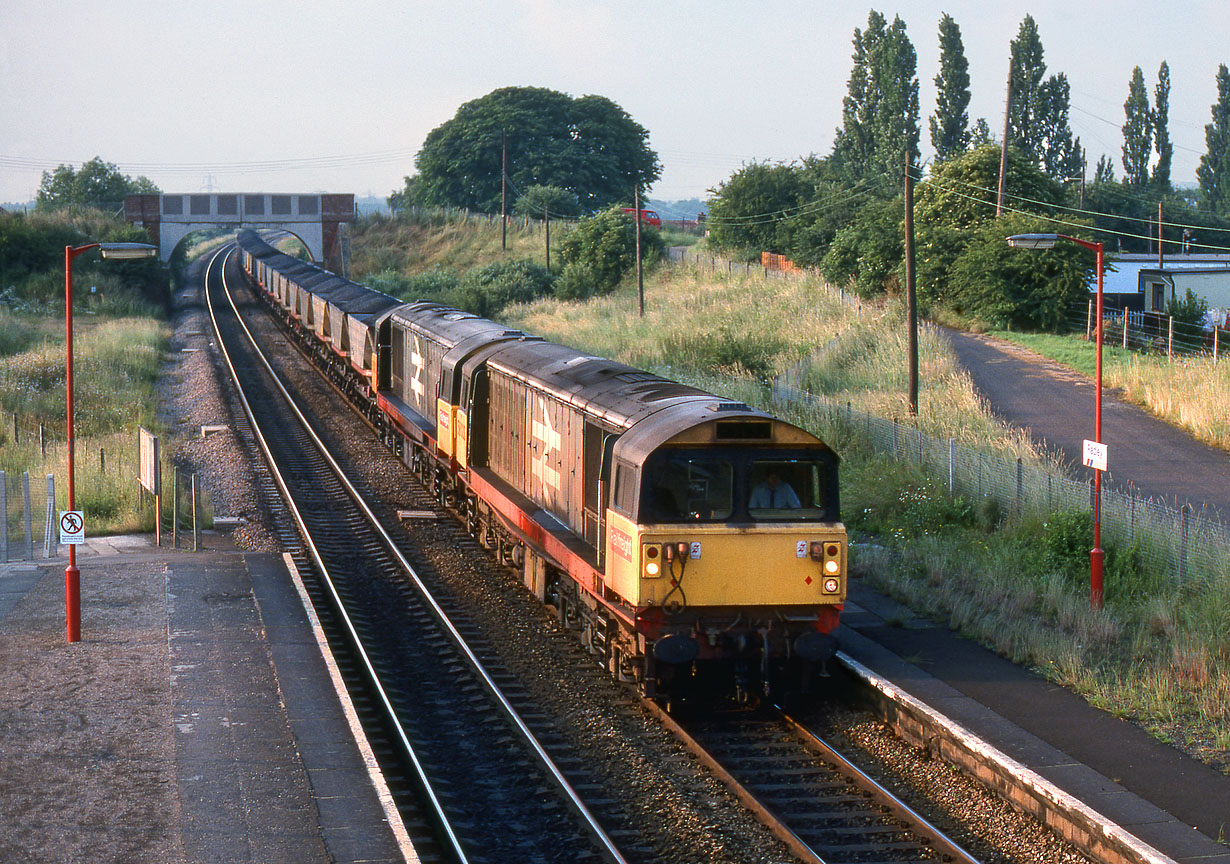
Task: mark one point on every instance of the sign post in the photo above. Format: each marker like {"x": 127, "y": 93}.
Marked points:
{"x": 150, "y": 476}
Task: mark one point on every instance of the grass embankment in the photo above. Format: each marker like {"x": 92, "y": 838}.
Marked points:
{"x": 1192, "y": 393}
{"x": 116, "y": 363}
{"x": 1018, "y": 582}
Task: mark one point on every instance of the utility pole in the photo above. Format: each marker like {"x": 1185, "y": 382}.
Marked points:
{"x": 503, "y": 192}
{"x": 546, "y": 221}
{"x": 911, "y": 299}
{"x": 1003, "y": 147}
{"x": 640, "y": 276}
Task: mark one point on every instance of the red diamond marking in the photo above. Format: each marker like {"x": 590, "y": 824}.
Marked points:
{"x": 807, "y": 581}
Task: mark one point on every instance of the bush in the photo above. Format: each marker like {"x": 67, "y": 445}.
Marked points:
{"x": 727, "y": 351}
{"x": 606, "y": 245}
{"x": 487, "y": 290}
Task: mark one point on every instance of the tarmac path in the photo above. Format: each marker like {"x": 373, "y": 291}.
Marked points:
{"x": 1056, "y": 406}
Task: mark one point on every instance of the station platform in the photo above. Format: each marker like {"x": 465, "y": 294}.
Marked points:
{"x": 1135, "y": 797}
{"x": 195, "y": 721}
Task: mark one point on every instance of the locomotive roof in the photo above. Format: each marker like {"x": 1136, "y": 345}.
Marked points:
{"x": 446, "y": 325}
{"x": 613, "y": 391}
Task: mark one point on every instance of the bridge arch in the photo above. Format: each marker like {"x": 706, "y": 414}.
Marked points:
{"x": 316, "y": 219}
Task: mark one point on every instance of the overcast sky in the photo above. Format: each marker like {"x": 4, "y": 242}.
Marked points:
{"x": 335, "y": 96}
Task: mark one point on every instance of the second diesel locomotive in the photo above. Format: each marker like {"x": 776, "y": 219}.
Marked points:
{"x": 686, "y": 536}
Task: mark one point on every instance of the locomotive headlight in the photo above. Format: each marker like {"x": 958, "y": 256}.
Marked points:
{"x": 652, "y": 569}
{"x": 831, "y": 585}
{"x": 832, "y": 567}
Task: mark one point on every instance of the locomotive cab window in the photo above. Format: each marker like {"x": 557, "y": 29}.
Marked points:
{"x": 790, "y": 489}
{"x": 685, "y": 486}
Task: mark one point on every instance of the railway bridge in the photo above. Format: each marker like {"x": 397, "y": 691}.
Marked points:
{"x": 315, "y": 218}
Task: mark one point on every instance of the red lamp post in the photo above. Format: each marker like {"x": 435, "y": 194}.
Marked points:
{"x": 1096, "y": 554}
{"x": 119, "y": 251}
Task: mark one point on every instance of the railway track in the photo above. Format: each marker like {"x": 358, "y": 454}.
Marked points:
{"x": 818, "y": 801}
{"x": 466, "y": 769}
{"x": 793, "y": 819}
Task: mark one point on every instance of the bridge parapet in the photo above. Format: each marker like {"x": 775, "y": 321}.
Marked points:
{"x": 315, "y": 218}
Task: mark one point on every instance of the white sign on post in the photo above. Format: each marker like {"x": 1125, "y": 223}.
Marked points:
{"x": 72, "y": 527}
{"x": 1095, "y": 455}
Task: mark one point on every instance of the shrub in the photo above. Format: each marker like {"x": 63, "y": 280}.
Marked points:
{"x": 487, "y": 290}
{"x": 606, "y": 245}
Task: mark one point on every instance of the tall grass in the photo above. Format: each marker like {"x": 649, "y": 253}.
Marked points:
{"x": 115, "y": 371}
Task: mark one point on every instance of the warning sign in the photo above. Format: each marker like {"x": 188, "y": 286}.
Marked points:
{"x": 72, "y": 527}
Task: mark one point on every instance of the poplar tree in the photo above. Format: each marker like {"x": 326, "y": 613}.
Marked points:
{"x": 1137, "y": 132}
{"x": 1214, "y": 169}
{"x": 1061, "y": 155}
{"x": 1028, "y": 68}
{"x": 880, "y": 109}
{"x": 1161, "y": 129}
{"x": 950, "y": 134}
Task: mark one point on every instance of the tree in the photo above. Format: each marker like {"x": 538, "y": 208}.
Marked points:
{"x": 1105, "y": 172}
{"x": 950, "y": 133}
{"x": 1214, "y": 169}
{"x": 600, "y": 251}
{"x": 588, "y": 145}
{"x": 1061, "y": 155}
{"x": 1137, "y": 132}
{"x": 554, "y": 200}
{"x": 748, "y": 214}
{"x": 880, "y": 109}
{"x": 1025, "y": 130}
{"x": 1161, "y": 129}
{"x": 868, "y": 252}
{"x": 1008, "y": 287}
{"x": 98, "y": 184}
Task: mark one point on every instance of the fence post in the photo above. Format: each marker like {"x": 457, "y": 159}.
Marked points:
{"x": 1184, "y": 535}
{"x": 4, "y": 519}
{"x": 42, "y": 438}
{"x": 1089, "y": 322}
{"x": 895, "y": 456}
{"x": 175, "y": 512}
{"x": 25, "y": 497}
{"x": 952, "y": 465}
{"x": 1216, "y": 332}
{"x": 196, "y": 525}
{"x": 1170, "y": 340}
{"x": 1020, "y": 487}
{"x": 51, "y": 542}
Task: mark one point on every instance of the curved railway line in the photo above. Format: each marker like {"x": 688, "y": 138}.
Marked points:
{"x": 482, "y": 781}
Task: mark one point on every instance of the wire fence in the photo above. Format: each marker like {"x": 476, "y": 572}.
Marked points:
{"x": 1191, "y": 549}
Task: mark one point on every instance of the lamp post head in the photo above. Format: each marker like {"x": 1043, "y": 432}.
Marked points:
{"x": 1033, "y": 241}
{"x": 127, "y": 251}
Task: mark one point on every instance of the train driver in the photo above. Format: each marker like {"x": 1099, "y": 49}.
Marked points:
{"x": 774, "y": 494}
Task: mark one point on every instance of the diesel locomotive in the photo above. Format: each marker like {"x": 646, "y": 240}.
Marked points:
{"x": 689, "y": 538}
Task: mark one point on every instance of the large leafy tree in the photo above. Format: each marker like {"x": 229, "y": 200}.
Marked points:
{"x": 1161, "y": 129}
{"x": 880, "y": 109}
{"x": 751, "y": 212}
{"x": 588, "y": 146}
{"x": 950, "y": 134}
{"x": 1214, "y": 169}
{"x": 1137, "y": 132}
{"x": 97, "y": 184}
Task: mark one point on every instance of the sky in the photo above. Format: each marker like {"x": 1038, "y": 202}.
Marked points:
{"x": 313, "y": 96}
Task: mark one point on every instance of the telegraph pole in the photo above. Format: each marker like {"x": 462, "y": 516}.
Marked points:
{"x": 640, "y": 276}
{"x": 911, "y": 299}
{"x": 1003, "y": 147}
{"x": 503, "y": 192}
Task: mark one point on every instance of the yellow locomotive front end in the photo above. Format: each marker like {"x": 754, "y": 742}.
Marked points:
{"x": 726, "y": 540}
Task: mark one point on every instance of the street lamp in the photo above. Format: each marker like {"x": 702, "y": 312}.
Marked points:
{"x": 119, "y": 252}
{"x": 1096, "y": 554}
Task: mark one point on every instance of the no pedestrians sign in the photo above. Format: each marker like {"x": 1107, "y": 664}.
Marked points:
{"x": 72, "y": 527}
